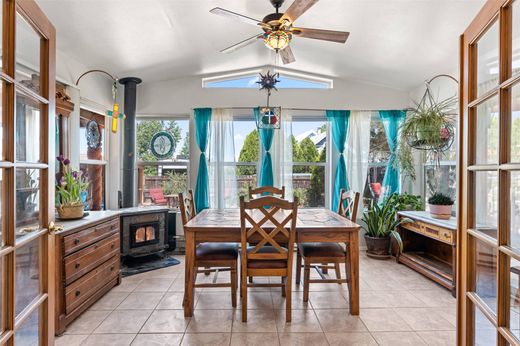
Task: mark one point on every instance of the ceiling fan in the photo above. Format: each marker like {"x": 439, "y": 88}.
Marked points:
{"x": 279, "y": 30}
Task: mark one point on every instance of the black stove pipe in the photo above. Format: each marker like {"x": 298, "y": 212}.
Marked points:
{"x": 128, "y": 185}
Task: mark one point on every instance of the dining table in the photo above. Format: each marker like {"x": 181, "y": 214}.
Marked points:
{"x": 312, "y": 225}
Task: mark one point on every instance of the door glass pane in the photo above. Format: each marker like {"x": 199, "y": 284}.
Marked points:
{"x": 29, "y": 332}
{"x": 515, "y": 126}
{"x": 27, "y": 129}
{"x": 1, "y": 294}
{"x": 27, "y": 202}
{"x": 485, "y": 332}
{"x": 2, "y": 157}
{"x": 2, "y": 242}
{"x": 514, "y": 320}
{"x": 485, "y": 273}
{"x": 27, "y": 285}
{"x": 516, "y": 37}
{"x": 27, "y": 54}
{"x": 487, "y": 60}
{"x": 1, "y": 32}
{"x": 515, "y": 209}
{"x": 487, "y": 132}
{"x": 95, "y": 176}
{"x": 486, "y": 202}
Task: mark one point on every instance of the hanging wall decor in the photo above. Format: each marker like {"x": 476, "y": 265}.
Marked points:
{"x": 269, "y": 116}
{"x": 162, "y": 145}
{"x": 93, "y": 134}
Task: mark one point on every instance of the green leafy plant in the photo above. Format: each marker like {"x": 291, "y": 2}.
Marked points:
{"x": 381, "y": 220}
{"x": 439, "y": 198}
{"x": 176, "y": 183}
{"x": 407, "y": 201}
{"x": 70, "y": 184}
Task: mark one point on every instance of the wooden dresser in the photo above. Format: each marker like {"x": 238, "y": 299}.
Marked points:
{"x": 430, "y": 247}
{"x": 88, "y": 256}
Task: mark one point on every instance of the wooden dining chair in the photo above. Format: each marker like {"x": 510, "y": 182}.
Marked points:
{"x": 320, "y": 255}
{"x": 269, "y": 227}
{"x": 266, "y": 190}
{"x": 213, "y": 257}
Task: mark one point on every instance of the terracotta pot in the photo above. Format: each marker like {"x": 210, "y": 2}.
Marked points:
{"x": 378, "y": 248}
{"x": 67, "y": 212}
{"x": 442, "y": 212}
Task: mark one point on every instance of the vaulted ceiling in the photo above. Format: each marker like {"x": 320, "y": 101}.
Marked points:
{"x": 397, "y": 43}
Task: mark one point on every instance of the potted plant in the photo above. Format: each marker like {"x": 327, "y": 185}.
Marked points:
{"x": 69, "y": 187}
{"x": 380, "y": 224}
{"x": 407, "y": 202}
{"x": 440, "y": 206}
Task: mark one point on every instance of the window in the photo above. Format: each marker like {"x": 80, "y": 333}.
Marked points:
{"x": 160, "y": 180}
{"x": 247, "y": 152}
{"x": 92, "y": 157}
{"x": 287, "y": 80}
{"x": 309, "y": 160}
{"x": 377, "y": 161}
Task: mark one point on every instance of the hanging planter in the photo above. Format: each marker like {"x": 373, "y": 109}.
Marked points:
{"x": 429, "y": 126}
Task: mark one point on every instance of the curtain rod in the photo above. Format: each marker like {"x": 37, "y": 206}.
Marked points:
{"x": 305, "y": 109}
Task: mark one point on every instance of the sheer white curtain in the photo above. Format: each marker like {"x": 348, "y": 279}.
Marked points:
{"x": 281, "y": 153}
{"x": 358, "y": 147}
{"x": 222, "y": 165}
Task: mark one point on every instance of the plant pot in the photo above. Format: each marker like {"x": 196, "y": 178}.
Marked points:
{"x": 69, "y": 212}
{"x": 442, "y": 212}
{"x": 378, "y": 248}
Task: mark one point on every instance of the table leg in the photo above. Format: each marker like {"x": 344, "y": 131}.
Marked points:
{"x": 189, "y": 273}
{"x": 353, "y": 282}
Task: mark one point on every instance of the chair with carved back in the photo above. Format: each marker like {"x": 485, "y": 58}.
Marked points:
{"x": 266, "y": 191}
{"x": 270, "y": 222}
{"x": 320, "y": 255}
{"x": 213, "y": 257}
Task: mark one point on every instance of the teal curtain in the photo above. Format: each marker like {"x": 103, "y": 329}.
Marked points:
{"x": 202, "y": 121}
{"x": 266, "y": 138}
{"x": 391, "y": 122}
{"x": 339, "y": 121}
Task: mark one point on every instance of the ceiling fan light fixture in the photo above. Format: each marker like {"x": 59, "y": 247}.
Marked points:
{"x": 277, "y": 39}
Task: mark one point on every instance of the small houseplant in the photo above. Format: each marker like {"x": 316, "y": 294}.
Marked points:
{"x": 440, "y": 206}
{"x": 69, "y": 187}
{"x": 406, "y": 201}
{"x": 380, "y": 224}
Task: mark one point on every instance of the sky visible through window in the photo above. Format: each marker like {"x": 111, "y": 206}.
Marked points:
{"x": 250, "y": 82}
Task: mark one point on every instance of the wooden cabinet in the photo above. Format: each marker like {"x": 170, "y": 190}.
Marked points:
{"x": 87, "y": 264}
{"x": 429, "y": 247}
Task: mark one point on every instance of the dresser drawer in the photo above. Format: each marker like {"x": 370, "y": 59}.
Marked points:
{"x": 83, "y": 261}
{"x": 79, "y": 291}
{"x": 431, "y": 231}
{"x": 89, "y": 236}
{"x": 446, "y": 236}
{"x": 412, "y": 226}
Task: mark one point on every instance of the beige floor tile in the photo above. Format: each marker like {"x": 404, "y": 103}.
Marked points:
{"x": 258, "y": 321}
{"x": 439, "y": 338}
{"x": 449, "y": 313}
{"x": 166, "y": 321}
{"x": 383, "y": 320}
{"x": 254, "y": 339}
{"x": 110, "y": 301}
{"x": 177, "y": 285}
{"x": 215, "y": 300}
{"x": 123, "y": 321}
{"x": 336, "y": 321}
{"x": 209, "y": 339}
{"x": 296, "y": 299}
{"x": 398, "y": 339}
{"x": 109, "y": 340}
{"x": 302, "y": 321}
{"x": 328, "y": 300}
{"x": 173, "y": 301}
{"x": 303, "y": 339}
{"x": 424, "y": 319}
{"x": 141, "y": 301}
{"x": 211, "y": 321}
{"x": 389, "y": 299}
{"x": 87, "y": 322}
{"x": 260, "y": 299}
{"x": 154, "y": 285}
{"x": 435, "y": 298}
{"x": 157, "y": 340}
{"x": 350, "y": 339}
{"x": 70, "y": 340}
{"x": 127, "y": 285}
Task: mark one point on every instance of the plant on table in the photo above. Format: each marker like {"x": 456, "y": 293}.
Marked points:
{"x": 440, "y": 205}
{"x": 406, "y": 201}
{"x": 69, "y": 186}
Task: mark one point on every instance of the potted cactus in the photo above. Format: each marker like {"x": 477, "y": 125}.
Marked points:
{"x": 440, "y": 206}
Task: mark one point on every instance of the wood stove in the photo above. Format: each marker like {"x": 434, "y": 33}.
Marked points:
{"x": 144, "y": 232}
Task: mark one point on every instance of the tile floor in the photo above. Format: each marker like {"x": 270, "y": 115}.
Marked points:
{"x": 398, "y": 307}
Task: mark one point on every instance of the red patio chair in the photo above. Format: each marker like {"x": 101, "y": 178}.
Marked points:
{"x": 157, "y": 196}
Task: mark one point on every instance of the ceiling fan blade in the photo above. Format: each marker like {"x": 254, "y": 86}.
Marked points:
{"x": 241, "y": 44}
{"x": 319, "y": 34}
{"x": 297, "y": 8}
{"x": 287, "y": 55}
{"x": 234, "y": 15}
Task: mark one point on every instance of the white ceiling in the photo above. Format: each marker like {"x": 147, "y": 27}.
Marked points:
{"x": 398, "y": 43}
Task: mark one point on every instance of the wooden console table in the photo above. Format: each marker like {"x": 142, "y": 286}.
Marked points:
{"x": 430, "y": 247}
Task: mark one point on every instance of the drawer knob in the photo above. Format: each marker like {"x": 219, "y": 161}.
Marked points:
{"x": 76, "y": 241}
{"x": 113, "y": 227}
{"x": 112, "y": 268}
{"x": 77, "y": 293}
{"x": 113, "y": 245}
{"x": 77, "y": 265}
